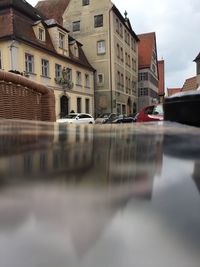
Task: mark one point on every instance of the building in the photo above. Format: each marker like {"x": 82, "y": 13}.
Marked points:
{"x": 197, "y": 60}
{"x": 172, "y": 91}
{"x": 44, "y": 51}
{"x": 110, "y": 45}
{"x": 190, "y": 84}
{"x": 148, "y": 70}
{"x": 161, "y": 81}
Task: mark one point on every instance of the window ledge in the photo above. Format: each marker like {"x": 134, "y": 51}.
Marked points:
{"x": 47, "y": 77}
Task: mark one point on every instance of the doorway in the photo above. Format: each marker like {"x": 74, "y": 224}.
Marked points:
{"x": 64, "y": 106}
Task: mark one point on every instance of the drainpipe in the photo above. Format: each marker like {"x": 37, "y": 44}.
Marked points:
{"x": 111, "y": 90}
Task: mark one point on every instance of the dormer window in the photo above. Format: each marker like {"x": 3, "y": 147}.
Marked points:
{"x": 75, "y": 51}
{"x": 61, "y": 40}
{"x": 41, "y": 34}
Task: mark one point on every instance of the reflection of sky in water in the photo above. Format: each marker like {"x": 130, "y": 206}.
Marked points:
{"x": 131, "y": 206}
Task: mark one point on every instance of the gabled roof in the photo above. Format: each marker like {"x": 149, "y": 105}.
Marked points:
{"x": 53, "y": 9}
{"x": 172, "y": 91}
{"x": 161, "y": 82}
{"x": 146, "y": 45}
{"x": 190, "y": 84}
{"x": 125, "y": 21}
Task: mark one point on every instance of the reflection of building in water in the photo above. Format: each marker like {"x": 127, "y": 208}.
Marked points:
{"x": 196, "y": 174}
{"x": 54, "y": 149}
{"x": 120, "y": 161}
{"x": 128, "y": 157}
{"x": 84, "y": 154}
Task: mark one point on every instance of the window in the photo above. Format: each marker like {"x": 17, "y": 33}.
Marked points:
{"x": 41, "y": 34}
{"x": 58, "y": 70}
{"x": 61, "y": 40}
{"x": 126, "y": 58}
{"x": 122, "y": 54}
{"x": 153, "y": 68}
{"x": 143, "y": 76}
{"x": 117, "y": 25}
{"x": 121, "y": 29}
{"x": 125, "y": 33}
{"x": 75, "y": 51}
{"x": 87, "y": 105}
{"x": 101, "y": 49}
{"x": 118, "y": 78}
{"x": 122, "y": 80}
{"x": 45, "y": 68}
{"x": 128, "y": 38}
{"x": 29, "y": 63}
{"x": 85, "y": 2}
{"x": 79, "y": 104}
{"x": 76, "y": 26}
{"x": 78, "y": 78}
{"x": 100, "y": 79}
{"x": 133, "y": 87}
{"x": 134, "y": 64}
{"x": 87, "y": 80}
{"x": 1, "y": 65}
{"x": 118, "y": 51}
{"x": 129, "y": 60}
{"x": 98, "y": 21}
{"x": 143, "y": 92}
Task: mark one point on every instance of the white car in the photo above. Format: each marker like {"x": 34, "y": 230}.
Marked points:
{"x": 77, "y": 118}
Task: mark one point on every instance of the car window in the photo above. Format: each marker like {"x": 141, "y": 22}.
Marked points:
{"x": 82, "y": 116}
{"x": 72, "y": 116}
{"x": 158, "y": 110}
{"x": 104, "y": 115}
{"x": 88, "y": 116}
{"x": 149, "y": 110}
{"x": 112, "y": 116}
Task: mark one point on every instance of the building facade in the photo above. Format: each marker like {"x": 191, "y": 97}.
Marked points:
{"x": 43, "y": 51}
{"x": 197, "y": 60}
{"x": 111, "y": 47}
{"x": 148, "y": 90}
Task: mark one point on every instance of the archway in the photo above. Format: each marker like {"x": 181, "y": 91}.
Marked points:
{"x": 64, "y": 106}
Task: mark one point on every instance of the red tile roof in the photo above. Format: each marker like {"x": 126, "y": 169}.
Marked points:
{"x": 190, "y": 84}
{"x": 146, "y": 45}
{"x": 161, "y": 82}
{"x": 172, "y": 91}
{"x": 53, "y": 9}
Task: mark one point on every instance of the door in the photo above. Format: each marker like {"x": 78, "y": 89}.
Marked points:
{"x": 64, "y": 106}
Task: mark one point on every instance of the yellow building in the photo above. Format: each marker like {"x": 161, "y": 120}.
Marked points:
{"x": 44, "y": 51}
{"x": 110, "y": 45}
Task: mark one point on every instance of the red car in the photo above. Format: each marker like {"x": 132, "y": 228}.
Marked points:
{"x": 151, "y": 113}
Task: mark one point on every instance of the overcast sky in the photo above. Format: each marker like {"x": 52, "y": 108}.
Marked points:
{"x": 176, "y": 23}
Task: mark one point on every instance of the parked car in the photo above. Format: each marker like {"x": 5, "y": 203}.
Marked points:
{"x": 151, "y": 113}
{"x": 77, "y": 118}
{"x": 124, "y": 119}
{"x": 105, "y": 117}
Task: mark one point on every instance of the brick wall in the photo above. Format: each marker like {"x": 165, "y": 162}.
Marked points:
{"x": 21, "y": 98}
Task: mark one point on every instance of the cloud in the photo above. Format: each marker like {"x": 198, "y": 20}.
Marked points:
{"x": 176, "y": 24}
